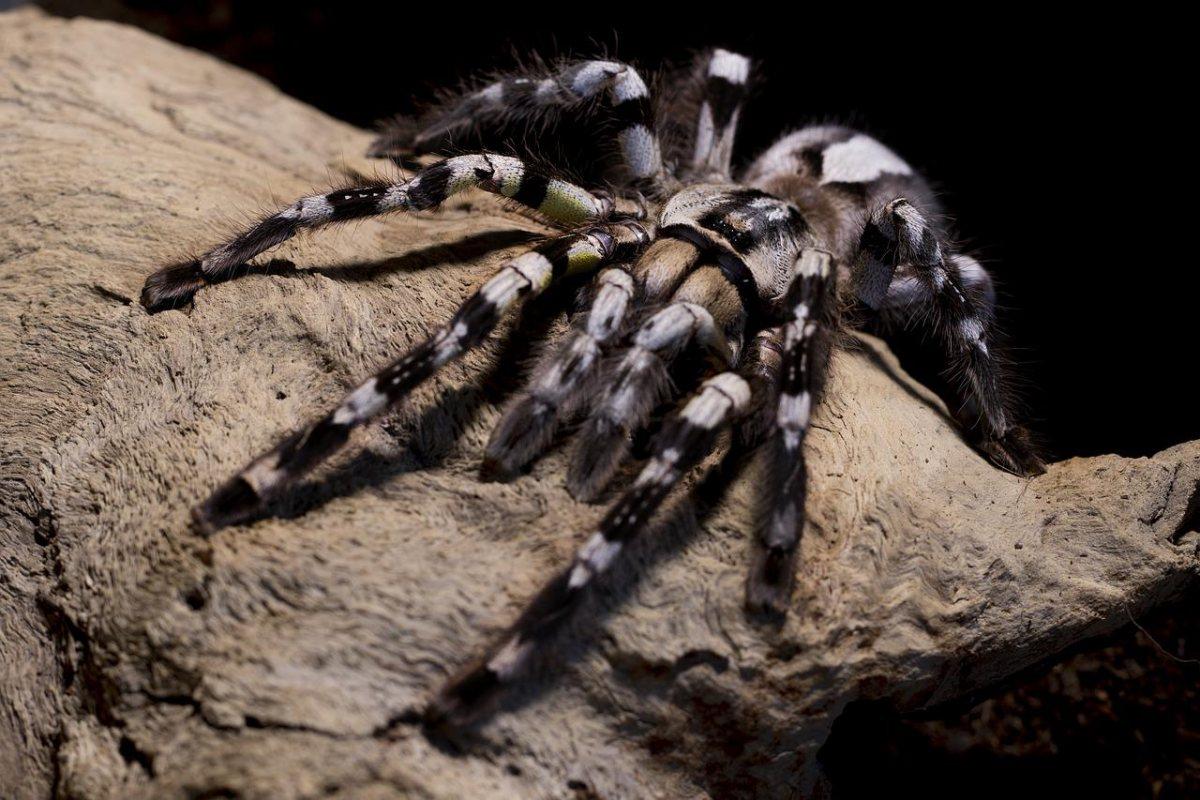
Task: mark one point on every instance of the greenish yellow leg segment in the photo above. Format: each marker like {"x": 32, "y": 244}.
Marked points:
{"x": 557, "y": 200}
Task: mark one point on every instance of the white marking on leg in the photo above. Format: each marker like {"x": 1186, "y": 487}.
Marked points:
{"x": 508, "y": 661}
{"x": 641, "y": 151}
{"x": 812, "y": 262}
{"x": 593, "y": 76}
{"x": 580, "y": 574}
{"x": 555, "y": 383}
{"x": 363, "y": 403}
{"x": 608, "y": 310}
{"x": 732, "y": 67}
{"x": 719, "y": 396}
{"x": 705, "y": 134}
{"x": 493, "y": 94}
{"x": 535, "y": 268}
{"x": 672, "y": 327}
{"x": 449, "y": 344}
{"x": 659, "y": 470}
{"x": 464, "y": 170}
{"x": 628, "y": 86}
{"x": 594, "y": 557}
{"x": 733, "y": 386}
{"x": 794, "y": 411}
{"x": 508, "y": 174}
{"x": 622, "y": 404}
{"x": 315, "y": 209}
{"x": 396, "y": 196}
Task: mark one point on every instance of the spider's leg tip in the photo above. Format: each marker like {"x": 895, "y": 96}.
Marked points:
{"x": 582, "y": 491}
{"x": 600, "y": 449}
{"x": 381, "y": 148}
{"x": 767, "y": 602}
{"x": 438, "y": 717}
{"x": 769, "y": 586}
{"x": 496, "y": 470}
{"x": 463, "y": 701}
{"x": 202, "y": 523}
{"x": 396, "y": 138}
{"x": 1014, "y": 453}
{"x": 525, "y": 431}
{"x": 233, "y": 502}
{"x": 1033, "y": 467}
{"x": 172, "y": 286}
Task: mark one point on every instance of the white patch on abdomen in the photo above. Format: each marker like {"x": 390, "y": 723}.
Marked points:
{"x": 860, "y": 159}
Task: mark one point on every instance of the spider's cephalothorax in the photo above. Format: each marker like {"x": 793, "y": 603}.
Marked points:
{"x": 751, "y": 271}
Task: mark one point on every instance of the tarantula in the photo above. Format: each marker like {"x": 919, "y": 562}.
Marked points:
{"x": 746, "y": 272}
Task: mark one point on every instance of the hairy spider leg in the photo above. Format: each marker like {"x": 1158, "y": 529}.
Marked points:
{"x": 619, "y": 86}
{"x": 898, "y": 232}
{"x": 726, "y": 78}
{"x": 558, "y": 384}
{"x": 810, "y": 301}
{"x": 909, "y": 296}
{"x": 560, "y": 202}
{"x": 706, "y": 309}
{"x": 684, "y": 440}
{"x": 531, "y": 419}
{"x": 526, "y": 275}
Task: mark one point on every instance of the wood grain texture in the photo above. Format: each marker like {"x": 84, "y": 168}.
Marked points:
{"x": 282, "y": 659}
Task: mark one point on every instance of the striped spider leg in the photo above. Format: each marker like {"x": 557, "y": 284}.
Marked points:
{"x": 561, "y": 203}
{"x": 719, "y": 252}
{"x": 556, "y": 387}
{"x": 718, "y": 245}
{"x": 959, "y": 296}
{"x": 724, "y": 80}
{"x": 908, "y": 296}
{"x": 810, "y": 307}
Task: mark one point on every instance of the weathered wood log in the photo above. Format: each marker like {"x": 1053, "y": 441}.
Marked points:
{"x": 285, "y": 659}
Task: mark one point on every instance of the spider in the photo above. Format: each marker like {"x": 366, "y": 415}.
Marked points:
{"x": 747, "y": 278}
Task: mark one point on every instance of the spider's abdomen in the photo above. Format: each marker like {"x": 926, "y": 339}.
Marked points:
{"x": 836, "y": 176}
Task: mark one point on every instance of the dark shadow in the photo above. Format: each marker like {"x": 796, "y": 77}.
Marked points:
{"x": 902, "y": 762}
{"x": 468, "y": 248}
{"x": 449, "y": 415}
{"x": 280, "y": 267}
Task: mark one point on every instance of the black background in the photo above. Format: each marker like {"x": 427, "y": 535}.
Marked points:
{"x": 1057, "y": 142}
